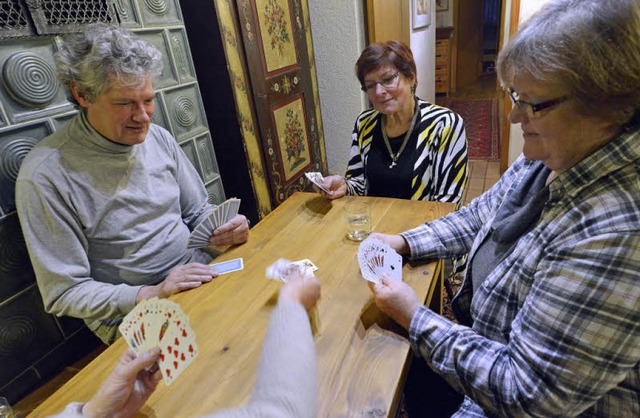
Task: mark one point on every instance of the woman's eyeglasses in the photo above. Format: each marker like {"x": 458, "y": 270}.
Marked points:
{"x": 532, "y": 109}
{"x": 389, "y": 82}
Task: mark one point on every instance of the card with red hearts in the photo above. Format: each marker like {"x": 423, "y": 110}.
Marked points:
{"x": 161, "y": 323}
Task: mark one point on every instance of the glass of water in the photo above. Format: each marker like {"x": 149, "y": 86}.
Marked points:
{"x": 5, "y": 409}
{"x": 358, "y": 217}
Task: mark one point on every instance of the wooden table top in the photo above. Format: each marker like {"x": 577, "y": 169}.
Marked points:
{"x": 361, "y": 352}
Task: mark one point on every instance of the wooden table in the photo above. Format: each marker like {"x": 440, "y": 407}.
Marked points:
{"x": 362, "y": 353}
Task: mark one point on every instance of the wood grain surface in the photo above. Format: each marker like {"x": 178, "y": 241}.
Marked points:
{"x": 361, "y": 352}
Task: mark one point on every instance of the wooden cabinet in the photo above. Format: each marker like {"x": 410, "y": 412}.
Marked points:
{"x": 443, "y": 60}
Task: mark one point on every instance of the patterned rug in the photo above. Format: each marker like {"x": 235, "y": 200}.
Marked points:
{"x": 481, "y": 122}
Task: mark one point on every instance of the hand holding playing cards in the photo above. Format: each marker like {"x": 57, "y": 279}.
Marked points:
{"x": 397, "y": 242}
{"x": 397, "y": 299}
{"x": 302, "y": 289}
{"x": 180, "y": 278}
{"x": 336, "y": 185}
{"x": 235, "y": 231}
{"x": 127, "y": 388}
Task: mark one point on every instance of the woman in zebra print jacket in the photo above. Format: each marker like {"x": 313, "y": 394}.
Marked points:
{"x": 404, "y": 147}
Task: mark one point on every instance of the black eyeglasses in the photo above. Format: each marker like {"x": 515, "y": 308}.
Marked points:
{"x": 389, "y": 82}
{"x": 531, "y": 109}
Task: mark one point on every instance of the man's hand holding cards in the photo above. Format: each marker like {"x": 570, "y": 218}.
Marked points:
{"x": 161, "y": 323}
{"x": 377, "y": 258}
{"x": 220, "y": 215}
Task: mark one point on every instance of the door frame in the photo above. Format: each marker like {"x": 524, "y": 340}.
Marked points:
{"x": 505, "y": 102}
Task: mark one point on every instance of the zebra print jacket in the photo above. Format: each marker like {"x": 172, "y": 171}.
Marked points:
{"x": 440, "y": 157}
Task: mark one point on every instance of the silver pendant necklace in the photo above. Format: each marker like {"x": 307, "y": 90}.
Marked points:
{"x": 394, "y": 157}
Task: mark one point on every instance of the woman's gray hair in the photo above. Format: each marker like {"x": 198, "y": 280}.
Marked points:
{"x": 587, "y": 49}
{"x": 92, "y": 60}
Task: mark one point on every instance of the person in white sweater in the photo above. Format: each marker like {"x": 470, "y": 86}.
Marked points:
{"x": 107, "y": 203}
{"x": 286, "y": 382}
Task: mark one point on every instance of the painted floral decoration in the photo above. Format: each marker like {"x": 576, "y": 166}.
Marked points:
{"x": 294, "y": 139}
{"x": 274, "y": 19}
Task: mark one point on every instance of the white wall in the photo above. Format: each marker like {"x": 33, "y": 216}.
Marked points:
{"x": 337, "y": 30}
{"x": 338, "y": 33}
{"x": 423, "y": 47}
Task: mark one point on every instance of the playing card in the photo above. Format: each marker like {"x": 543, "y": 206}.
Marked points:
{"x": 306, "y": 263}
{"x": 232, "y": 208}
{"x": 133, "y": 329}
{"x": 161, "y": 323}
{"x": 178, "y": 349}
{"x": 282, "y": 269}
{"x": 228, "y": 266}
{"x": 317, "y": 179}
{"x": 377, "y": 258}
{"x": 222, "y": 213}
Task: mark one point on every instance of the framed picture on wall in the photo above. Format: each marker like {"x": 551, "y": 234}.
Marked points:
{"x": 420, "y": 10}
{"x": 442, "y": 5}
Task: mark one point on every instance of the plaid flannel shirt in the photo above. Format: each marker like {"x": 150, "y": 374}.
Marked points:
{"x": 556, "y": 325}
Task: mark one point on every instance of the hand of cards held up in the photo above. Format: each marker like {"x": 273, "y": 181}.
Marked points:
{"x": 220, "y": 215}
{"x": 316, "y": 178}
{"x": 161, "y": 323}
{"x": 377, "y": 258}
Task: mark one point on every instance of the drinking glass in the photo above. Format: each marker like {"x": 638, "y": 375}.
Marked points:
{"x": 5, "y": 409}
{"x": 358, "y": 219}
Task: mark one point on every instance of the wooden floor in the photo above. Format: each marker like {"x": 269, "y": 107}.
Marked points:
{"x": 482, "y": 175}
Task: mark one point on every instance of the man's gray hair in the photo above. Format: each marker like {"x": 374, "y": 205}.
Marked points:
{"x": 101, "y": 54}
{"x": 588, "y": 50}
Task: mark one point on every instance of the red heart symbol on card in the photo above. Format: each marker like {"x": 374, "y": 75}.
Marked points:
{"x": 161, "y": 356}
{"x": 182, "y": 357}
{"x": 176, "y": 341}
{"x": 175, "y": 364}
{"x": 176, "y": 354}
{"x": 190, "y": 348}
{"x": 170, "y": 349}
{"x": 168, "y": 372}
{"x": 184, "y": 332}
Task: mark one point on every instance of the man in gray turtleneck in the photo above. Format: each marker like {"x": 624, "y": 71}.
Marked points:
{"x": 107, "y": 203}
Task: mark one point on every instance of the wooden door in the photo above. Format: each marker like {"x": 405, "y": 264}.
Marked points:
{"x": 281, "y": 78}
{"x": 387, "y": 20}
{"x": 506, "y": 102}
{"x": 469, "y": 42}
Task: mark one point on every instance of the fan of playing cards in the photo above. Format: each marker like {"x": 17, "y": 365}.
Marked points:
{"x": 161, "y": 323}
{"x": 377, "y": 258}
{"x": 282, "y": 269}
{"x": 219, "y": 215}
{"x": 317, "y": 179}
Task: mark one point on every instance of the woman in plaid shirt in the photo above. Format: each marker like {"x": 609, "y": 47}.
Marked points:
{"x": 549, "y": 311}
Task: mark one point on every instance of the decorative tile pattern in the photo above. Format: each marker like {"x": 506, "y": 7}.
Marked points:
{"x": 26, "y": 333}
{"x": 15, "y": 144}
{"x": 15, "y": 270}
{"x": 32, "y": 106}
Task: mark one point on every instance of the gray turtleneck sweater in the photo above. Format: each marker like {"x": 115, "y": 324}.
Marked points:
{"x": 102, "y": 219}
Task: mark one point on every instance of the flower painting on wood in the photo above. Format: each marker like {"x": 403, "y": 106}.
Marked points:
{"x": 276, "y": 33}
{"x": 292, "y": 137}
